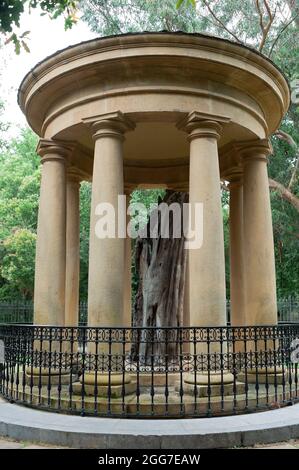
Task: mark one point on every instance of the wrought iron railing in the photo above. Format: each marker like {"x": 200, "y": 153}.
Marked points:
{"x": 22, "y": 311}
{"x": 16, "y": 311}
{"x": 150, "y": 372}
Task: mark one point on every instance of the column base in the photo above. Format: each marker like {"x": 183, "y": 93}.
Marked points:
{"x": 36, "y": 376}
{"x": 262, "y": 376}
{"x": 113, "y": 385}
{"x": 212, "y": 378}
{"x": 213, "y": 384}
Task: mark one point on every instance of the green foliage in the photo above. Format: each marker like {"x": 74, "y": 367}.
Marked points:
{"x": 108, "y": 17}
{"x": 17, "y": 264}
{"x": 149, "y": 198}
{"x": 11, "y": 11}
{"x": 19, "y": 194}
{"x": 3, "y": 128}
{"x": 19, "y": 185}
{"x": 284, "y": 215}
{"x": 85, "y": 200}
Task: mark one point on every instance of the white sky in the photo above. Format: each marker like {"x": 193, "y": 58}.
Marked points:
{"x": 46, "y": 36}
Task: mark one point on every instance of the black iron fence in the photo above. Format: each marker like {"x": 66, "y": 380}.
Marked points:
{"x": 16, "y": 312}
{"x": 150, "y": 372}
{"x": 22, "y": 311}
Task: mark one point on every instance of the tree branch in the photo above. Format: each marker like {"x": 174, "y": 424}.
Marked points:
{"x": 265, "y": 27}
{"x": 221, "y": 23}
{"x": 282, "y": 135}
{"x": 281, "y": 32}
{"x": 294, "y": 173}
{"x": 285, "y": 193}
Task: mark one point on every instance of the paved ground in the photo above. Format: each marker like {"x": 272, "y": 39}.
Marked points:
{"x": 27, "y": 426}
{"x": 293, "y": 444}
{"x": 9, "y": 444}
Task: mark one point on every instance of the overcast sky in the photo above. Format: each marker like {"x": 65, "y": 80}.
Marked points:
{"x": 46, "y": 37}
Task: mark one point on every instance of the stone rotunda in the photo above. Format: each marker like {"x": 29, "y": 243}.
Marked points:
{"x": 175, "y": 110}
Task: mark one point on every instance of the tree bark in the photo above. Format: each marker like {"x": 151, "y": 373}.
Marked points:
{"x": 160, "y": 264}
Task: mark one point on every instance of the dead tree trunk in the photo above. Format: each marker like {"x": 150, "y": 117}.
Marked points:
{"x": 160, "y": 264}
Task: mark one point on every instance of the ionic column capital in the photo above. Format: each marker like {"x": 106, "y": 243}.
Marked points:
{"x": 109, "y": 124}
{"x": 254, "y": 150}
{"x": 200, "y": 125}
{"x": 235, "y": 179}
{"x": 54, "y": 150}
{"x": 74, "y": 175}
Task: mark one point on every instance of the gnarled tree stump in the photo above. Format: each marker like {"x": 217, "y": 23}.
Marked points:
{"x": 160, "y": 264}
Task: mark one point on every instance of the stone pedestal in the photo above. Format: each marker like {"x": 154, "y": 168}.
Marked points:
{"x": 213, "y": 385}
{"x": 112, "y": 385}
{"x": 36, "y": 377}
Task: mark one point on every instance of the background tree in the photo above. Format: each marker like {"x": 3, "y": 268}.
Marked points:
{"x": 19, "y": 195}
{"x": 17, "y": 265}
{"x": 12, "y": 10}
{"x": 268, "y": 26}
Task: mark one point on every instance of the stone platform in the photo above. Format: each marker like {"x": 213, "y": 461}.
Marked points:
{"x": 22, "y": 423}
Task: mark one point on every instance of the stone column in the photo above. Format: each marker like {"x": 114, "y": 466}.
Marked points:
{"x": 107, "y": 255}
{"x": 72, "y": 277}
{"x": 236, "y": 229}
{"x": 261, "y": 306}
{"x": 206, "y": 263}
{"x": 49, "y": 289}
{"x": 127, "y": 315}
{"x": 186, "y": 311}
{"x": 186, "y": 306}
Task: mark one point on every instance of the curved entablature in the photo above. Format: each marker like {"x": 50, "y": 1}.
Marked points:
{"x": 164, "y": 67}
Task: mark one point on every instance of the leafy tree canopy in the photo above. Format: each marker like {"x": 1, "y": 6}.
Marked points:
{"x": 12, "y": 10}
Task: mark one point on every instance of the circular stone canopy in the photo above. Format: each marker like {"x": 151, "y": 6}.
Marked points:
{"x": 156, "y": 80}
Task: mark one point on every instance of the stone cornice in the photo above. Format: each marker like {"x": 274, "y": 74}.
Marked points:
{"x": 83, "y": 49}
{"x": 239, "y": 67}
